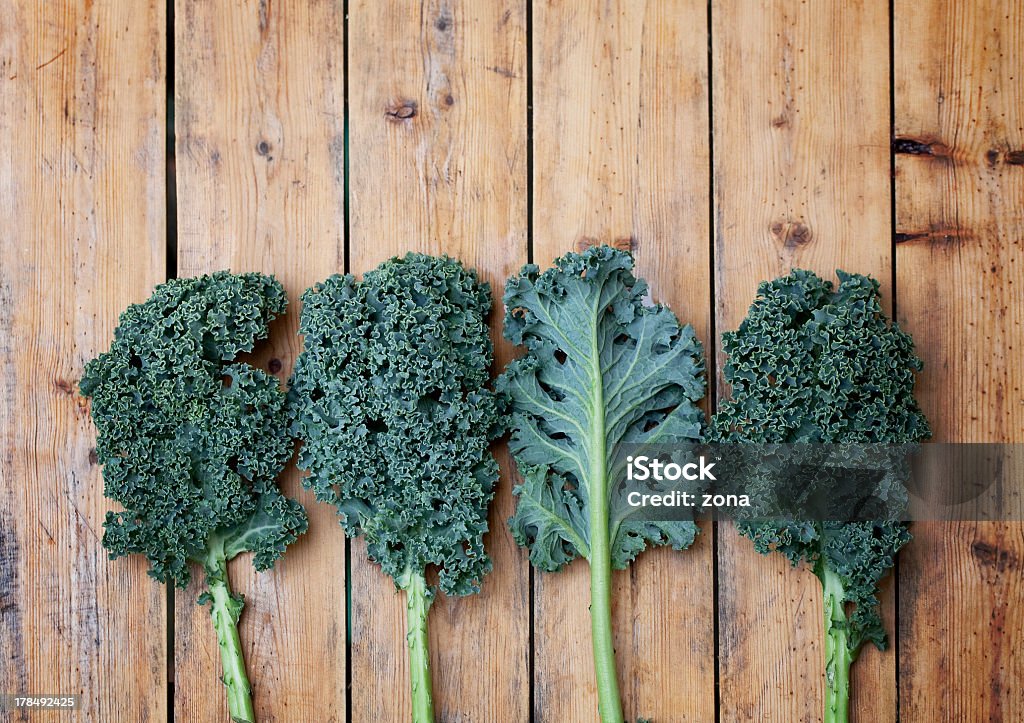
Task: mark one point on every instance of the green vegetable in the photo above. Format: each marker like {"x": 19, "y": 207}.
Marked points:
{"x": 191, "y": 443}
{"x": 601, "y": 369}
{"x": 820, "y": 365}
{"x": 391, "y": 402}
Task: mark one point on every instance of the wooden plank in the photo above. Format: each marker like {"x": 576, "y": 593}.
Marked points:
{"x": 620, "y": 128}
{"x": 260, "y": 143}
{"x": 438, "y": 165}
{"x": 82, "y": 208}
{"x": 801, "y": 179}
{"x": 959, "y": 96}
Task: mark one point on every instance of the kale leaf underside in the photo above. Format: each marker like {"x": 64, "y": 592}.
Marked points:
{"x": 602, "y": 369}
{"x": 391, "y": 402}
{"x": 191, "y": 442}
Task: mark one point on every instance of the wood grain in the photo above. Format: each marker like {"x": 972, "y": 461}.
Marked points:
{"x": 259, "y": 118}
{"x": 801, "y": 179}
{"x": 620, "y": 129}
{"x": 959, "y": 94}
{"x": 438, "y": 165}
{"x": 82, "y": 212}
{"x": 438, "y": 126}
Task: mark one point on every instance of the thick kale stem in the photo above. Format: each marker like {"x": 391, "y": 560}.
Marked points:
{"x": 225, "y": 609}
{"x": 609, "y": 704}
{"x": 838, "y": 656}
{"x": 417, "y": 604}
{"x": 608, "y": 701}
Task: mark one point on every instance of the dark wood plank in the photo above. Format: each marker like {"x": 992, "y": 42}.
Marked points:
{"x": 259, "y": 117}
{"x": 801, "y": 178}
{"x": 82, "y": 211}
{"x": 620, "y": 128}
{"x": 438, "y": 165}
{"x": 959, "y": 94}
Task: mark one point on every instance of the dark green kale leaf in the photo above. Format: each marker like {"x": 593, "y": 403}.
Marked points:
{"x": 813, "y": 364}
{"x": 391, "y": 403}
{"x": 191, "y": 442}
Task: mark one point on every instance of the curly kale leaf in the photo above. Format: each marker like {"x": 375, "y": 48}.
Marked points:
{"x": 601, "y": 369}
{"x": 190, "y": 442}
{"x": 813, "y": 364}
{"x": 391, "y": 403}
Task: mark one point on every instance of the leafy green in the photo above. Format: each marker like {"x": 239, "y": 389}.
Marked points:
{"x": 191, "y": 442}
{"x": 602, "y": 369}
{"x": 813, "y": 364}
{"x": 391, "y": 403}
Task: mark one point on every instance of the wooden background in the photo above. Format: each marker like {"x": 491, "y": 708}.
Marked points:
{"x": 723, "y": 143}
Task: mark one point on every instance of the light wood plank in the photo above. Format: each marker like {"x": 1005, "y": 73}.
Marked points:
{"x": 959, "y": 92}
{"x": 620, "y": 129}
{"x": 801, "y": 125}
{"x": 438, "y": 165}
{"x": 260, "y": 178}
{"x": 82, "y": 212}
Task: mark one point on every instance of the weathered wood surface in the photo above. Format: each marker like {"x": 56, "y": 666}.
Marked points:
{"x": 437, "y": 94}
{"x": 616, "y": 162}
{"x": 801, "y": 179}
{"x": 259, "y": 119}
{"x": 441, "y": 140}
{"x": 959, "y": 129}
{"x": 82, "y": 209}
